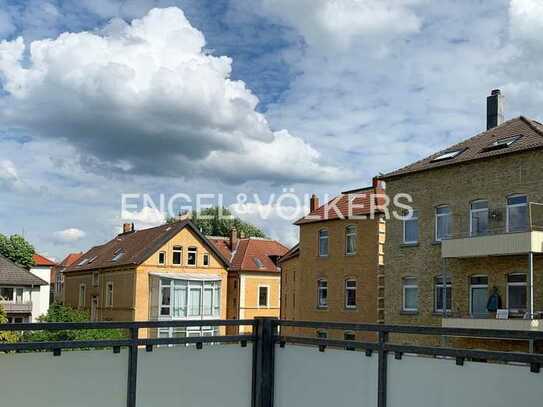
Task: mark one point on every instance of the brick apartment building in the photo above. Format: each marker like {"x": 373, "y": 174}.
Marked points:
{"x": 476, "y": 230}
{"x": 333, "y": 274}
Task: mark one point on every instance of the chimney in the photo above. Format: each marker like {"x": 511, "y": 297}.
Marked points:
{"x": 313, "y": 203}
{"x": 494, "y": 109}
{"x": 128, "y": 227}
{"x": 233, "y": 238}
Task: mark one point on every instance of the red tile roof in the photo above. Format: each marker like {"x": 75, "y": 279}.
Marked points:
{"x": 479, "y": 146}
{"x": 70, "y": 259}
{"x": 252, "y": 254}
{"x": 41, "y": 261}
{"x": 360, "y": 201}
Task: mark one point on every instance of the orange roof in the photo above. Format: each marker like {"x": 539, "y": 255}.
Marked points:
{"x": 41, "y": 261}
{"x": 70, "y": 259}
{"x": 251, "y": 254}
{"x": 357, "y": 202}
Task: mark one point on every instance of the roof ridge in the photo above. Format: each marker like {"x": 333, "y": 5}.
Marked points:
{"x": 530, "y": 122}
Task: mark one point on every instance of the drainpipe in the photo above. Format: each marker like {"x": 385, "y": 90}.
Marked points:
{"x": 531, "y": 292}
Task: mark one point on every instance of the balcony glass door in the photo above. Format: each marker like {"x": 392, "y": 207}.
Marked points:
{"x": 479, "y": 295}
{"x": 517, "y": 213}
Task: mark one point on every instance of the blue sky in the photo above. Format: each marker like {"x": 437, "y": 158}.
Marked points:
{"x": 104, "y": 97}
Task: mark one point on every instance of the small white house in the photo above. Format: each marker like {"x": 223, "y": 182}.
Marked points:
{"x": 42, "y": 269}
{"x": 21, "y": 292}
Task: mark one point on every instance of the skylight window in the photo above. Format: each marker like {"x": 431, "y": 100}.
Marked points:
{"x": 258, "y": 263}
{"x": 92, "y": 259}
{"x": 501, "y": 143}
{"x": 117, "y": 255}
{"x": 448, "y": 155}
{"x": 83, "y": 262}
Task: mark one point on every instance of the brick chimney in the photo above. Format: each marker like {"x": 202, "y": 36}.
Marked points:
{"x": 494, "y": 109}
{"x": 233, "y": 238}
{"x": 313, "y": 203}
{"x": 128, "y": 227}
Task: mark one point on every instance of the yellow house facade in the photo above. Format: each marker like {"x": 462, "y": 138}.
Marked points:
{"x": 171, "y": 272}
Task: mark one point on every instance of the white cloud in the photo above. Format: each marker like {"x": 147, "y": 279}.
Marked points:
{"x": 145, "y": 218}
{"x": 331, "y": 23}
{"x": 68, "y": 236}
{"x": 144, "y": 98}
{"x": 8, "y": 176}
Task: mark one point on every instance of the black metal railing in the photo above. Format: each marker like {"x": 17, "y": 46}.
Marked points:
{"x": 269, "y": 332}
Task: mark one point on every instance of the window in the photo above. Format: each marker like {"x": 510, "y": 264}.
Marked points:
{"x": 443, "y": 222}
{"x": 117, "y": 255}
{"x": 263, "y": 292}
{"x": 448, "y": 155}
{"x": 516, "y": 292}
{"x": 176, "y": 255}
{"x": 350, "y": 294}
{"x": 323, "y": 242}
{"x": 162, "y": 258}
{"x": 517, "y": 213}
{"x": 109, "y": 294}
{"x": 410, "y": 294}
{"x": 501, "y": 143}
{"x": 82, "y": 294}
{"x": 205, "y": 259}
{"x": 411, "y": 228}
{"x": 166, "y": 300}
{"x": 478, "y": 295}
{"x": 439, "y": 291}
{"x": 478, "y": 215}
{"x": 6, "y": 293}
{"x": 191, "y": 256}
{"x": 258, "y": 262}
{"x": 182, "y": 299}
{"x": 350, "y": 240}
{"x": 349, "y": 336}
{"x": 19, "y": 295}
{"x": 322, "y": 294}
{"x": 95, "y": 279}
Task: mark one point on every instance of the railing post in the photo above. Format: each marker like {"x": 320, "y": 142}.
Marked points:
{"x": 263, "y": 363}
{"x": 132, "y": 368}
{"x": 382, "y": 371}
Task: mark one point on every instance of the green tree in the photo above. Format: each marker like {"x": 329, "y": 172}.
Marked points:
{"x": 6, "y": 336}
{"x": 17, "y": 249}
{"x": 220, "y": 222}
{"x": 62, "y": 313}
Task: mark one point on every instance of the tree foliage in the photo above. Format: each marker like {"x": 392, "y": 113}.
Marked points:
{"x": 220, "y": 222}
{"x": 62, "y": 313}
{"x": 6, "y": 336}
{"x": 17, "y": 249}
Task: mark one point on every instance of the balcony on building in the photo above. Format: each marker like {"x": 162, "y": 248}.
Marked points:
{"x": 515, "y": 229}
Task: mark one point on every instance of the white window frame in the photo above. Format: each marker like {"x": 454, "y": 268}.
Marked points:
{"x": 471, "y": 287}
{"x": 351, "y": 235}
{"x": 109, "y": 294}
{"x": 347, "y": 289}
{"x": 82, "y": 298}
{"x": 508, "y": 208}
{"x": 472, "y": 211}
{"x": 448, "y": 283}
{"x": 319, "y": 289}
{"x": 163, "y": 262}
{"x": 409, "y": 286}
{"x": 267, "y": 287}
{"x": 517, "y": 284}
{"x": 436, "y": 220}
{"x": 323, "y": 237}
{"x": 190, "y": 250}
{"x": 200, "y": 285}
{"x": 177, "y": 249}
{"x": 414, "y": 218}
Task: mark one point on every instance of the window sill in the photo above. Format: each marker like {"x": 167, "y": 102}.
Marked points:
{"x": 350, "y": 308}
{"x": 440, "y": 313}
{"x": 409, "y": 244}
{"x": 436, "y": 243}
{"x": 402, "y": 312}
{"x": 350, "y": 254}
{"x": 322, "y": 308}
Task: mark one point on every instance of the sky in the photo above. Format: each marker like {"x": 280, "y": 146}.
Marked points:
{"x": 100, "y": 98}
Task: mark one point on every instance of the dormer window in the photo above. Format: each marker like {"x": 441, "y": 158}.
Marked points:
{"x": 501, "y": 143}
{"x": 258, "y": 262}
{"x": 448, "y": 155}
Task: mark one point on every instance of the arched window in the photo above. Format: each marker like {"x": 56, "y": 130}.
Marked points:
{"x": 323, "y": 242}
{"x": 350, "y": 240}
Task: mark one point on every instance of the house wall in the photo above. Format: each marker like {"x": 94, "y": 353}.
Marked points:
{"x": 456, "y": 186}
{"x": 301, "y": 276}
{"x": 40, "y": 305}
{"x": 249, "y": 289}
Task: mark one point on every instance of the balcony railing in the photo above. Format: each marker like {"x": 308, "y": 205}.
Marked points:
{"x": 14, "y": 307}
{"x": 274, "y": 366}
